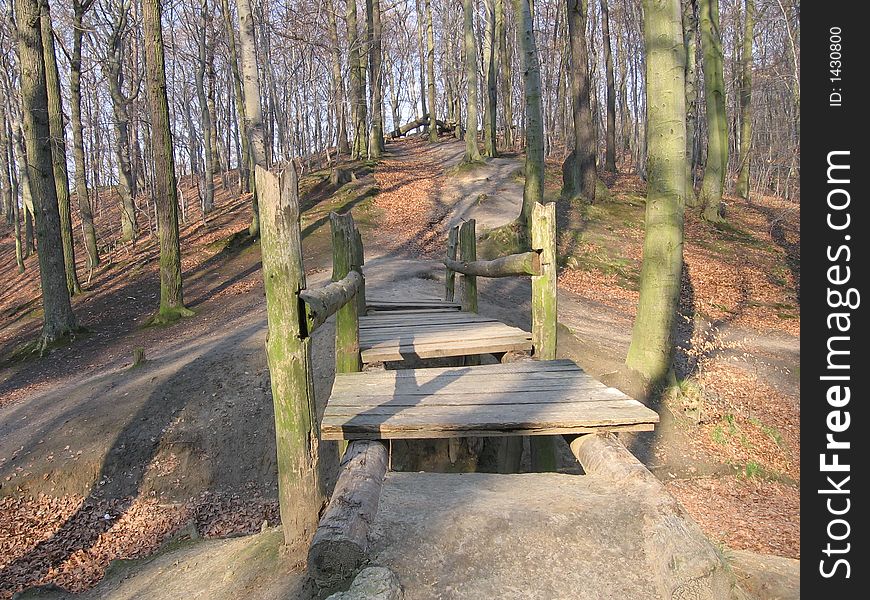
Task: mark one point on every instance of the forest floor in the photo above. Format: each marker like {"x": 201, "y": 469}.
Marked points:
{"x": 100, "y": 461}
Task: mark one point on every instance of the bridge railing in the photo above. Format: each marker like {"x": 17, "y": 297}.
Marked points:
{"x": 539, "y": 264}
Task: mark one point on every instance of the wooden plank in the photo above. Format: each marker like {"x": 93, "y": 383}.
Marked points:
{"x": 372, "y": 311}
{"x": 603, "y": 409}
{"x": 449, "y": 341}
{"x": 421, "y": 303}
{"x": 470, "y": 380}
{"x": 337, "y": 432}
{"x": 392, "y": 323}
{"x": 382, "y": 354}
{"x": 522, "y": 366}
{"x": 395, "y": 422}
{"x": 448, "y": 333}
{"x": 465, "y": 398}
{"x": 425, "y": 317}
{"x": 483, "y": 388}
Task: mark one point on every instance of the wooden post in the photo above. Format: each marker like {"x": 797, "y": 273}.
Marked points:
{"x": 344, "y": 239}
{"x": 544, "y": 284}
{"x": 543, "y": 454}
{"x": 468, "y": 253}
{"x": 450, "y": 277}
{"x": 288, "y": 349}
{"x": 468, "y": 284}
{"x": 358, "y": 262}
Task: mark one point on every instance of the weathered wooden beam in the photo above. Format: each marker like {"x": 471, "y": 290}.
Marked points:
{"x": 542, "y": 449}
{"x": 468, "y": 253}
{"x": 544, "y": 283}
{"x": 340, "y": 544}
{"x": 513, "y": 265}
{"x": 450, "y": 277}
{"x": 358, "y": 260}
{"x": 322, "y": 303}
{"x": 288, "y": 349}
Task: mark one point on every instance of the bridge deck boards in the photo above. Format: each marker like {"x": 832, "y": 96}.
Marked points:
{"x": 393, "y": 335}
{"x": 525, "y": 398}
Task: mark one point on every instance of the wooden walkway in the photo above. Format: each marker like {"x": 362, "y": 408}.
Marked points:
{"x": 523, "y": 398}
{"x": 432, "y": 328}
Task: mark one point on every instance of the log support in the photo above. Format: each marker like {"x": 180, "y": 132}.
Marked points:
{"x": 468, "y": 253}
{"x": 450, "y": 277}
{"x": 340, "y": 543}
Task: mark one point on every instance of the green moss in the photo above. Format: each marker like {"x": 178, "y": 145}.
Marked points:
{"x": 499, "y": 241}
{"x": 168, "y": 315}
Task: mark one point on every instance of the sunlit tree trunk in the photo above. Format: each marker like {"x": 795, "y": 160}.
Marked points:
{"x": 690, "y": 39}
{"x": 505, "y": 71}
{"x": 58, "y": 318}
{"x": 164, "y": 187}
{"x": 716, "y": 164}
{"x": 337, "y": 83}
{"x": 610, "y": 134}
{"x": 746, "y": 100}
{"x": 376, "y": 135}
{"x": 579, "y": 173}
{"x": 58, "y": 150}
{"x": 430, "y": 71}
{"x": 81, "y": 179}
{"x": 491, "y": 59}
{"x": 472, "y": 154}
{"x": 651, "y": 348}
{"x": 533, "y": 190}
{"x": 205, "y": 120}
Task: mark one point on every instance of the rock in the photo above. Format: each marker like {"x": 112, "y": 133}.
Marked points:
{"x": 372, "y": 583}
{"x": 767, "y": 577}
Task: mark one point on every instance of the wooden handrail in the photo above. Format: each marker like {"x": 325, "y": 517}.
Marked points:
{"x": 512, "y": 265}
{"x": 322, "y": 303}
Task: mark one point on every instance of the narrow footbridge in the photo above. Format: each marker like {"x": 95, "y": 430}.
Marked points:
{"x": 538, "y": 395}
{"x": 381, "y": 392}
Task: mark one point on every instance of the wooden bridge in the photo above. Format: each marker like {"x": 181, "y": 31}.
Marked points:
{"x": 540, "y": 396}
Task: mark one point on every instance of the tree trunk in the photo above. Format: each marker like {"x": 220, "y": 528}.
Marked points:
{"x": 75, "y": 77}
{"x": 472, "y": 154}
{"x": 376, "y": 135}
{"x": 357, "y": 83}
{"x": 533, "y": 189}
{"x": 746, "y": 100}
{"x": 651, "y": 346}
{"x": 579, "y": 174}
{"x": 490, "y": 56}
{"x": 504, "y": 63}
{"x": 690, "y": 39}
{"x": 716, "y": 164}
{"x": 430, "y": 71}
{"x": 58, "y": 150}
{"x": 610, "y": 134}
{"x": 337, "y": 83}
{"x": 421, "y": 45}
{"x": 126, "y": 180}
{"x": 164, "y": 187}
{"x": 58, "y": 317}
{"x": 253, "y": 115}
{"x": 205, "y": 120}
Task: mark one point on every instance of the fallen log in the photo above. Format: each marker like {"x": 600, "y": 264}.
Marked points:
{"x": 410, "y": 126}
{"x": 340, "y": 543}
{"x": 527, "y": 263}
{"x": 321, "y": 303}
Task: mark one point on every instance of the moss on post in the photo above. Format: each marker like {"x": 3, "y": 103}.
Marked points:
{"x": 288, "y": 349}
{"x": 450, "y": 277}
{"x": 347, "y": 357}
{"x": 544, "y": 315}
{"x": 358, "y": 262}
{"x": 468, "y": 253}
